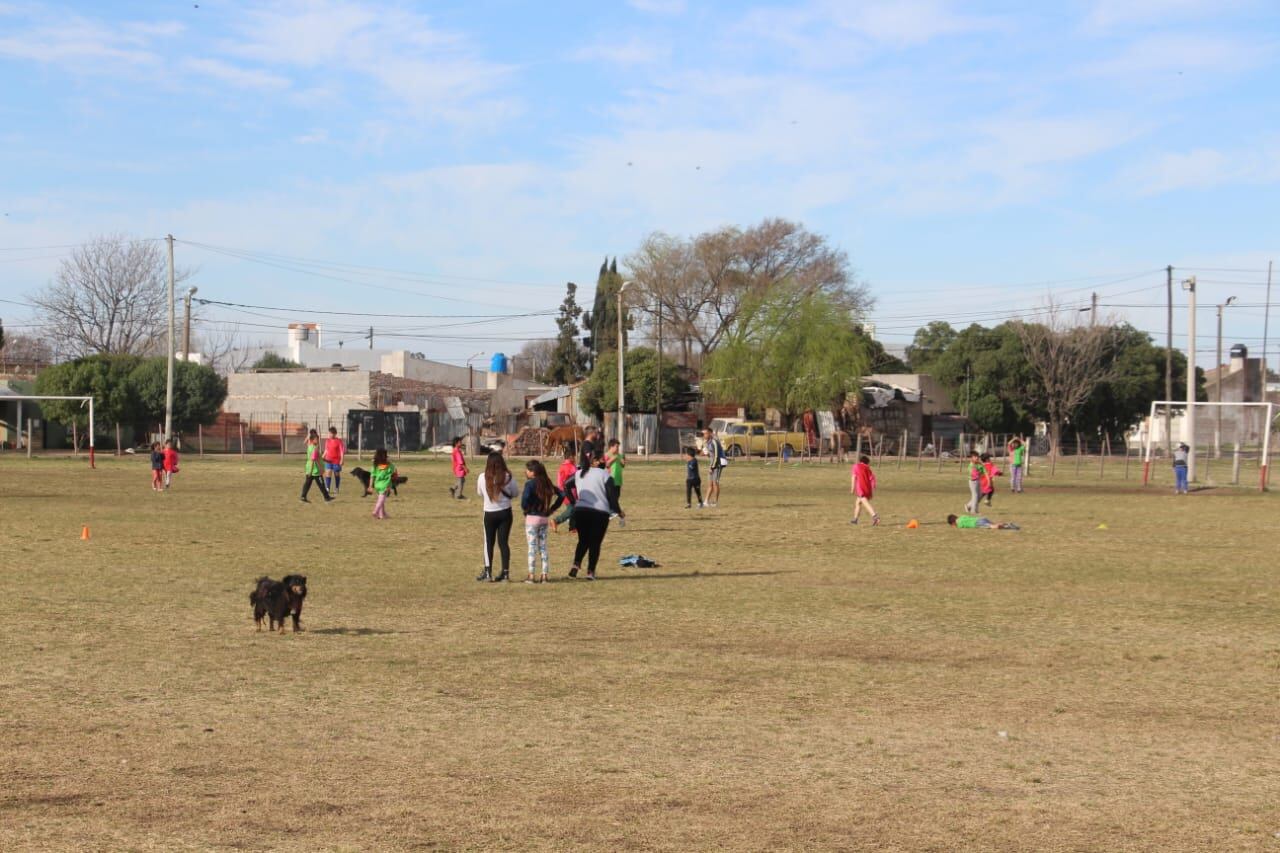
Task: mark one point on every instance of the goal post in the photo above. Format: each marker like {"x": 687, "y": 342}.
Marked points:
{"x": 21, "y": 398}
{"x": 1248, "y": 424}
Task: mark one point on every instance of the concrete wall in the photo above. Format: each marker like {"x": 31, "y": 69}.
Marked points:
{"x": 299, "y": 397}
{"x": 934, "y": 398}
{"x": 401, "y": 363}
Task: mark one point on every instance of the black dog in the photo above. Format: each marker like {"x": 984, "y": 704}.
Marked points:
{"x": 278, "y": 599}
{"x": 366, "y": 480}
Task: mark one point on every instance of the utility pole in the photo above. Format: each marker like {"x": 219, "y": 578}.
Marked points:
{"x": 622, "y": 398}
{"x": 1168, "y": 364}
{"x": 1217, "y": 427}
{"x": 186, "y": 326}
{"x": 168, "y": 384}
{"x": 1266, "y": 320}
{"x": 371, "y": 337}
{"x": 1093, "y": 309}
{"x": 658, "y": 403}
{"x": 1189, "y": 421}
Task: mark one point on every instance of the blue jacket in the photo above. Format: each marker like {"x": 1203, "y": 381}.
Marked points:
{"x": 529, "y": 500}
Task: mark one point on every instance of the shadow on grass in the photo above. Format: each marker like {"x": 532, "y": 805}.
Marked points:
{"x": 353, "y": 632}
{"x": 677, "y": 576}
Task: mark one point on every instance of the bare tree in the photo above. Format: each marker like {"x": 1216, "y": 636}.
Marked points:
{"x": 25, "y": 352}
{"x": 225, "y": 350}
{"x": 110, "y": 296}
{"x": 700, "y": 286}
{"x": 534, "y": 359}
{"x": 1070, "y": 359}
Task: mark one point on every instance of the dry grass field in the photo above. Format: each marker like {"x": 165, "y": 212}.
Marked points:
{"x": 783, "y": 681}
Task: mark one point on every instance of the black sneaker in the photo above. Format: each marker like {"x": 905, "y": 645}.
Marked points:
{"x": 573, "y": 573}
{"x": 304, "y": 500}
{"x": 486, "y": 575}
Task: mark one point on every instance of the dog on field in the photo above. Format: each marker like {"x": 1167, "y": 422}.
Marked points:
{"x": 277, "y": 599}
{"x": 366, "y": 479}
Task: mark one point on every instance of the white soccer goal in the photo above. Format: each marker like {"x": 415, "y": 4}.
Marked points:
{"x": 1207, "y": 429}
{"x": 21, "y": 398}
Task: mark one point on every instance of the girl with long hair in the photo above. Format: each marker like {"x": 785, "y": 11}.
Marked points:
{"x": 540, "y": 499}
{"x": 497, "y": 487}
{"x": 597, "y": 502}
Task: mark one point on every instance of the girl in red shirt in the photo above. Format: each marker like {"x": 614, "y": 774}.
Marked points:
{"x": 863, "y": 486}
{"x": 170, "y": 462}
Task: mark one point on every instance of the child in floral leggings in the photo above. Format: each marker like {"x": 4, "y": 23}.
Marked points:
{"x": 539, "y": 501}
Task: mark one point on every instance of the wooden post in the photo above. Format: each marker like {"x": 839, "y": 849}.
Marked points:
{"x": 1235, "y": 466}
{"x": 1079, "y": 454}
{"x": 920, "y": 452}
{"x": 200, "y": 437}
{"x": 397, "y": 423}
{"x": 241, "y": 441}
{"x": 937, "y": 451}
{"x": 28, "y": 437}
{"x": 117, "y": 439}
{"x": 360, "y": 440}
{"x": 75, "y": 439}
{"x": 902, "y": 450}
{"x": 282, "y": 435}
{"x": 1102, "y": 455}
{"x": 1126, "y": 456}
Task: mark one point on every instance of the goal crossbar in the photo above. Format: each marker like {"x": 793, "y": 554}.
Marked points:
{"x": 1149, "y": 443}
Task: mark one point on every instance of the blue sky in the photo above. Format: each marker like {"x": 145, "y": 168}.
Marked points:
{"x": 971, "y": 158}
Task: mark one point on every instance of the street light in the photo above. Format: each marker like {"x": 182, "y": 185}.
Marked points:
{"x": 622, "y": 398}
{"x": 1217, "y": 429}
{"x": 471, "y": 374}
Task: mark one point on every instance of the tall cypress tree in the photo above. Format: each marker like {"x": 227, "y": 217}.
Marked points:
{"x": 568, "y": 360}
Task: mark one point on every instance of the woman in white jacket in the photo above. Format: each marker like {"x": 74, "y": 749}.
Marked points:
{"x": 497, "y": 487}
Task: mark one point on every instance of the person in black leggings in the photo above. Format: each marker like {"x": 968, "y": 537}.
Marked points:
{"x": 497, "y": 487}
{"x": 597, "y": 499}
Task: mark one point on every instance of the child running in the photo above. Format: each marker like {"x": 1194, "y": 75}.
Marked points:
{"x": 564, "y": 482}
{"x": 170, "y": 463}
{"x": 692, "y": 478}
{"x": 863, "y": 486}
{"x": 539, "y": 500}
{"x": 989, "y": 474}
{"x": 380, "y": 479}
{"x": 459, "y": 470}
{"x": 977, "y": 522}
{"x": 1017, "y": 456}
{"x": 157, "y": 468}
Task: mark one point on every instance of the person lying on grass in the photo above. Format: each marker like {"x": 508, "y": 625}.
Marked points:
{"x": 978, "y": 522}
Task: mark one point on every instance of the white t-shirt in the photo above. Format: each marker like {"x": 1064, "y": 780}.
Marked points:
{"x": 504, "y": 496}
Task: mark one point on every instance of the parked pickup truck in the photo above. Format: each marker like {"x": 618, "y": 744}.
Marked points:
{"x": 754, "y": 438}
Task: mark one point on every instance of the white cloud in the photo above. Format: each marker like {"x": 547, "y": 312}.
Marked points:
{"x": 78, "y": 44}
{"x": 1174, "y": 53}
{"x": 241, "y": 78}
{"x": 634, "y": 52}
{"x": 1109, "y": 14}
{"x": 431, "y": 72}
{"x": 658, "y": 7}
{"x": 318, "y": 136}
{"x": 833, "y": 32}
{"x": 1203, "y": 168}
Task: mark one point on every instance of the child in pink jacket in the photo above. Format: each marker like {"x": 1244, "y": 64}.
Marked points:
{"x": 459, "y": 470}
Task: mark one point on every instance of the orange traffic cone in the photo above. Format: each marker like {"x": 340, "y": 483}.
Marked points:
{"x": 84, "y": 533}
{"x": 913, "y": 524}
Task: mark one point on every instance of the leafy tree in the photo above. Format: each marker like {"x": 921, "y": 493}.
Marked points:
{"x": 600, "y": 393}
{"x": 274, "y": 361}
{"x": 701, "y": 286}
{"x": 198, "y": 392}
{"x": 1116, "y": 405}
{"x": 602, "y": 320}
{"x": 568, "y": 359}
{"x": 106, "y": 378}
{"x": 986, "y": 373}
{"x": 928, "y": 344}
{"x": 788, "y": 354}
{"x": 879, "y": 359}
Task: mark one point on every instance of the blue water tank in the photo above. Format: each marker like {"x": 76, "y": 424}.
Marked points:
{"x": 498, "y": 364}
